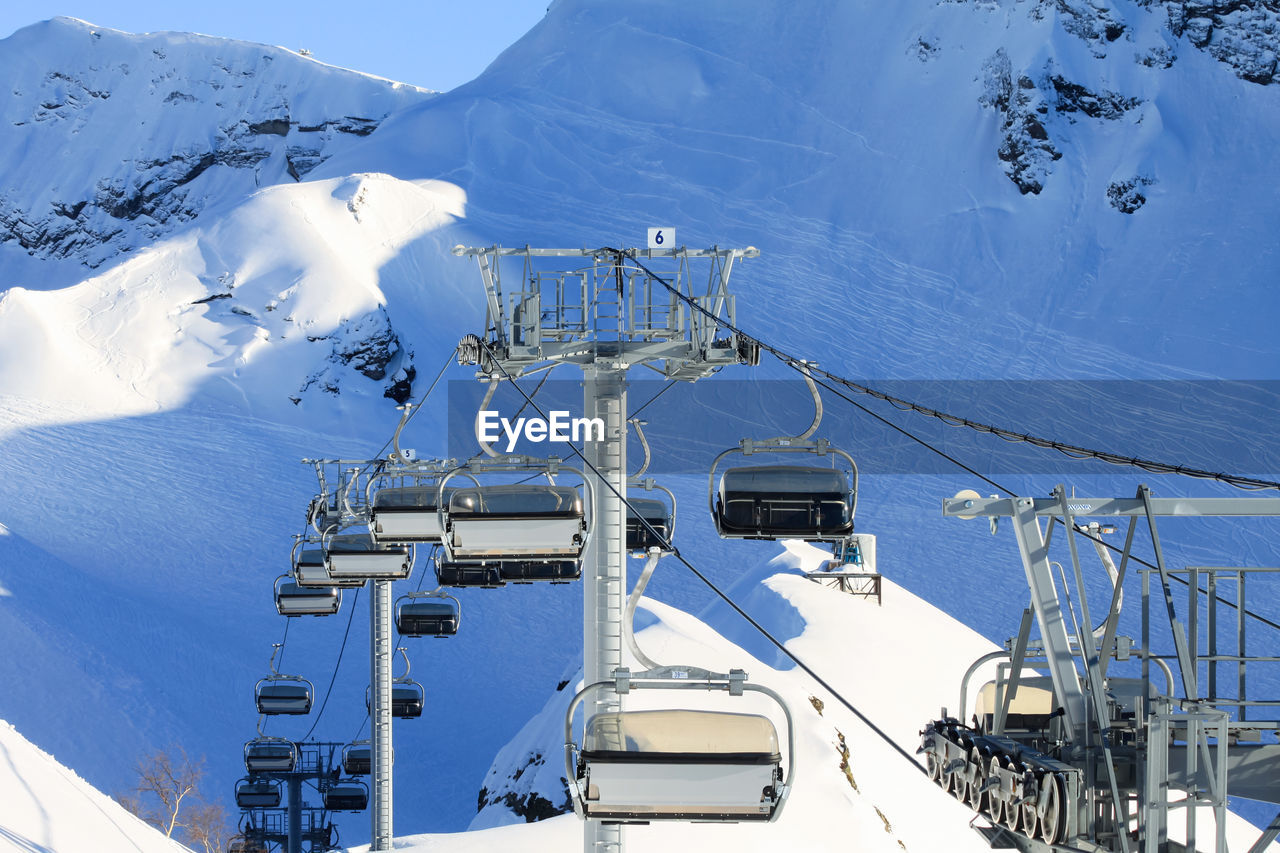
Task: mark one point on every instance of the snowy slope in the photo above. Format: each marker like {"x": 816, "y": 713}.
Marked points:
{"x": 49, "y": 809}
{"x": 149, "y": 433}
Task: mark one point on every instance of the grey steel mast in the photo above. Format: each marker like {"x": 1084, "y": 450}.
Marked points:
{"x": 607, "y": 315}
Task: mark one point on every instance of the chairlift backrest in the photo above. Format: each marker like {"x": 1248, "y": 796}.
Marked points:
{"x": 678, "y": 763}
{"x": 293, "y": 599}
{"x": 309, "y": 569}
{"x": 658, "y": 516}
{"x": 346, "y": 795}
{"x": 257, "y": 794}
{"x": 435, "y": 616}
{"x": 515, "y": 522}
{"x": 270, "y": 755}
{"x": 404, "y": 514}
{"x": 283, "y": 694}
{"x": 784, "y": 501}
{"x": 357, "y": 555}
{"x": 357, "y": 759}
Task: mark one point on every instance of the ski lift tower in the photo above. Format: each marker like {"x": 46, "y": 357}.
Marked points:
{"x": 607, "y": 310}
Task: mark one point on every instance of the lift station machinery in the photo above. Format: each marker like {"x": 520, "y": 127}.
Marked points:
{"x": 1089, "y": 741}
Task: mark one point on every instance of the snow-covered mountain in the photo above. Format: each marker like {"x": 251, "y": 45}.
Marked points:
{"x": 218, "y": 258}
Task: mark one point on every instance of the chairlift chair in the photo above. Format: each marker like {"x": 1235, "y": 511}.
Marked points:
{"x": 407, "y": 514}
{"x": 357, "y": 758}
{"x": 432, "y": 614}
{"x": 257, "y": 794}
{"x": 659, "y": 517}
{"x": 407, "y": 695}
{"x": 270, "y": 755}
{"x": 283, "y": 694}
{"x": 292, "y": 599}
{"x": 515, "y": 521}
{"x": 354, "y": 555}
{"x": 678, "y": 764}
{"x": 346, "y": 795}
{"x": 812, "y": 503}
{"x": 309, "y": 569}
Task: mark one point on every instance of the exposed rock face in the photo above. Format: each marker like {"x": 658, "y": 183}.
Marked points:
{"x": 1244, "y": 34}
{"x": 153, "y": 128}
{"x": 371, "y": 347}
{"x": 1025, "y": 147}
{"x": 1127, "y": 196}
{"x": 528, "y": 804}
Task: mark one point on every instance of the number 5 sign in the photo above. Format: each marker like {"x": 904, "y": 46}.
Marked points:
{"x": 662, "y": 238}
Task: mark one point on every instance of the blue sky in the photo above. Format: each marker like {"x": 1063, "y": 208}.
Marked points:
{"x": 438, "y": 44}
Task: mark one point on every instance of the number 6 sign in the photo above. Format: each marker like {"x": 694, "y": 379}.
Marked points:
{"x": 662, "y": 238}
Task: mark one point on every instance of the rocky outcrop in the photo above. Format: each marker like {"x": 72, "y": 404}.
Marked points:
{"x": 1025, "y": 148}
{"x": 370, "y": 347}
{"x": 1244, "y": 34}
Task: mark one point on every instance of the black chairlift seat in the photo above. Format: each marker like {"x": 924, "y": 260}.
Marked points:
{"x": 270, "y": 755}
{"x": 531, "y": 571}
{"x": 283, "y": 695}
{"x": 516, "y": 522}
{"x": 680, "y": 765}
{"x": 654, "y": 511}
{"x": 784, "y": 502}
{"x": 403, "y": 514}
{"x": 429, "y": 617}
{"x": 293, "y": 599}
{"x": 310, "y": 571}
{"x": 357, "y": 759}
{"x": 257, "y": 794}
{"x": 463, "y": 574}
{"x": 346, "y": 795}
{"x": 356, "y": 555}
{"x": 407, "y": 700}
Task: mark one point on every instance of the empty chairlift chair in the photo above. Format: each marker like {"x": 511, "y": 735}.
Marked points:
{"x": 428, "y": 615}
{"x": 813, "y": 503}
{"x": 407, "y": 514}
{"x": 515, "y": 522}
{"x": 346, "y": 795}
{"x": 293, "y": 599}
{"x": 257, "y": 794}
{"x": 283, "y": 694}
{"x": 407, "y": 699}
{"x": 270, "y": 755}
{"x": 658, "y": 516}
{"x": 309, "y": 570}
{"x": 357, "y": 758}
{"x": 352, "y": 555}
{"x": 680, "y": 765}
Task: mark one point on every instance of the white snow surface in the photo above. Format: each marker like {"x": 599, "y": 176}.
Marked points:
{"x": 160, "y": 379}
{"x": 49, "y": 809}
